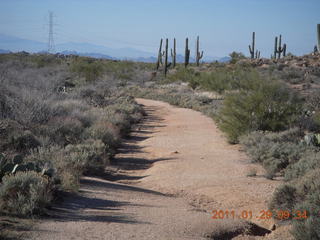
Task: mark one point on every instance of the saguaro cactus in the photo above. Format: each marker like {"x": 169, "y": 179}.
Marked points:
{"x": 187, "y": 54}
{"x": 275, "y": 48}
{"x": 284, "y": 50}
{"x": 159, "y": 55}
{"x": 166, "y": 64}
{"x": 257, "y": 54}
{"x": 198, "y": 54}
{"x": 252, "y": 47}
{"x": 174, "y": 53}
{"x": 278, "y": 49}
{"x": 318, "y": 34}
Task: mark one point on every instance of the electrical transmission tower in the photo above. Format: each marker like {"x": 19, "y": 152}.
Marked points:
{"x": 50, "y": 39}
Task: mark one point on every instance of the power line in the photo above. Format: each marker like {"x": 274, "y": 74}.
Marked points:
{"x": 50, "y": 39}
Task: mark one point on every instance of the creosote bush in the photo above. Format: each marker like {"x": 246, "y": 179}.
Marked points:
{"x": 24, "y": 193}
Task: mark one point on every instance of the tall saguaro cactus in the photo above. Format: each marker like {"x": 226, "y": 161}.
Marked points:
{"x": 275, "y": 48}
{"x": 187, "y": 54}
{"x": 159, "y": 55}
{"x": 252, "y": 47}
{"x": 166, "y": 64}
{"x": 278, "y": 49}
{"x": 318, "y": 34}
{"x": 198, "y": 54}
{"x": 174, "y": 53}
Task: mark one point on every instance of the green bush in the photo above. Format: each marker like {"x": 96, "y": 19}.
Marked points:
{"x": 303, "y": 194}
{"x": 64, "y": 131}
{"x": 91, "y": 156}
{"x": 307, "y": 229}
{"x": 309, "y": 160}
{"x": 89, "y": 68}
{"x": 268, "y": 107}
{"x": 275, "y": 151}
{"x": 24, "y": 141}
{"x": 284, "y": 198}
{"x": 24, "y": 193}
{"x": 236, "y": 56}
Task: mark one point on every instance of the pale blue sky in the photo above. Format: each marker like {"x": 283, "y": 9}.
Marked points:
{"x": 223, "y": 25}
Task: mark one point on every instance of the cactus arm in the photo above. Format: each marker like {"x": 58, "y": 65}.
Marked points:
{"x": 318, "y": 36}
{"x": 201, "y": 55}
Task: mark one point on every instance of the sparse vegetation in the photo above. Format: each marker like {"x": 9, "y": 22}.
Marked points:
{"x": 61, "y": 118}
{"x": 24, "y": 193}
{"x": 59, "y": 127}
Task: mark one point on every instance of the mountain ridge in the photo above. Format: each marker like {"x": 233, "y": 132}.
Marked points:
{"x": 16, "y": 44}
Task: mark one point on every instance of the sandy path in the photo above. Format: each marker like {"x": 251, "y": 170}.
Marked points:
{"x": 167, "y": 178}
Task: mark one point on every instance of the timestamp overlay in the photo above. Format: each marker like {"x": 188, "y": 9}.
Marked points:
{"x": 263, "y": 214}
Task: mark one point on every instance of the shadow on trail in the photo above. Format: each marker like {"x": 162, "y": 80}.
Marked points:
{"x": 112, "y": 187}
{"x": 91, "y": 204}
{"x": 131, "y": 163}
{"x": 143, "y": 131}
{"x": 83, "y": 208}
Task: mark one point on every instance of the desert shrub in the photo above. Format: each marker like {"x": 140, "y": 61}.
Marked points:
{"x": 106, "y": 132}
{"x": 64, "y": 131}
{"x": 303, "y": 195}
{"x": 24, "y": 193}
{"x": 185, "y": 75}
{"x": 219, "y": 79}
{"x": 122, "y": 121}
{"x": 67, "y": 167}
{"x": 93, "y": 97}
{"x": 224, "y": 79}
{"x": 236, "y": 56}
{"x": 24, "y": 141}
{"x": 284, "y": 198}
{"x": 309, "y": 160}
{"x": 313, "y": 100}
{"x": 275, "y": 151}
{"x": 269, "y": 107}
{"x": 89, "y": 68}
{"x": 307, "y": 229}
{"x": 43, "y": 60}
{"x": 92, "y": 155}
{"x": 292, "y": 75}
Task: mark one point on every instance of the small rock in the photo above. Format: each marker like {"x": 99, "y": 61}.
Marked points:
{"x": 273, "y": 227}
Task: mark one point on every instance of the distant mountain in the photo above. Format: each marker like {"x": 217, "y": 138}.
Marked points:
{"x": 224, "y": 59}
{"x": 4, "y": 51}
{"x": 15, "y": 44}
{"x": 94, "y": 55}
{"x": 120, "y": 53}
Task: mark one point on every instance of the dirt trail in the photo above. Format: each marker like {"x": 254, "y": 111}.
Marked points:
{"x": 163, "y": 184}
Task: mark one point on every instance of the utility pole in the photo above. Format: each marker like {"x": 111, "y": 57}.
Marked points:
{"x": 50, "y": 38}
